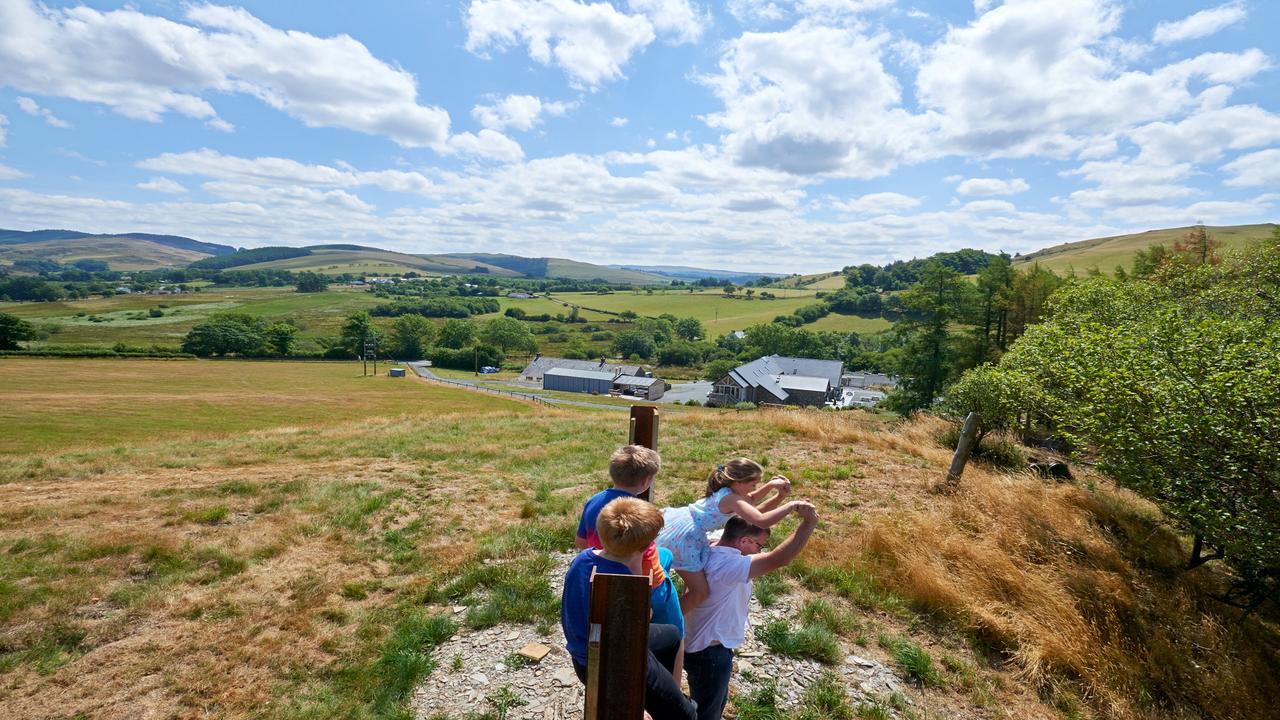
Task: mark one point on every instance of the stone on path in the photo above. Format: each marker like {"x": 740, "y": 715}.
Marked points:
{"x": 534, "y": 651}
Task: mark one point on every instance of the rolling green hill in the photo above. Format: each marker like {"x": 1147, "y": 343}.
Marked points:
{"x": 1108, "y": 252}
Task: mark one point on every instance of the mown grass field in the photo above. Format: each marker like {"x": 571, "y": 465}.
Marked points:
{"x": 303, "y": 567}
{"x": 57, "y": 404}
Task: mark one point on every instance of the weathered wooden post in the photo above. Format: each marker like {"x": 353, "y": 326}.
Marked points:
{"x": 965, "y": 446}
{"x": 644, "y": 432}
{"x": 617, "y": 647}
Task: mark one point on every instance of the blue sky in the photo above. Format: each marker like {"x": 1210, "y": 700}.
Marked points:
{"x": 769, "y": 135}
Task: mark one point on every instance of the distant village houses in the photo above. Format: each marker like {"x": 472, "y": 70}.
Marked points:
{"x": 779, "y": 380}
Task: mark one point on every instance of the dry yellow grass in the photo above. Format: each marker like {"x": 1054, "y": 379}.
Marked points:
{"x": 1078, "y": 592}
{"x": 1069, "y": 594}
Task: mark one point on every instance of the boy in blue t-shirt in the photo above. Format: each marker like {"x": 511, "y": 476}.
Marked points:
{"x": 626, "y": 528}
{"x": 632, "y": 469}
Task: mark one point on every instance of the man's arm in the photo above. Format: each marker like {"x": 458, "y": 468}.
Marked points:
{"x": 787, "y": 551}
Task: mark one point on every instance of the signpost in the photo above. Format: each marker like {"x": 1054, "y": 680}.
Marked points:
{"x": 617, "y": 647}
{"x": 644, "y": 432}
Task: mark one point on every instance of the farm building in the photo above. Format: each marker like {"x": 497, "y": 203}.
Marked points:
{"x": 780, "y": 380}
{"x": 540, "y": 365}
{"x": 583, "y": 381}
{"x": 519, "y": 295}
{"x": 648, "y": 388}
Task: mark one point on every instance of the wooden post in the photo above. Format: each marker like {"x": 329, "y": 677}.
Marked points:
{"x": 644, "y": 432}
{"x": 965, "y": 446}
{"x": 617, "y": 647}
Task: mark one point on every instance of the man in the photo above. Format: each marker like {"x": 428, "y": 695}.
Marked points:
{"x": 719, "y": 624}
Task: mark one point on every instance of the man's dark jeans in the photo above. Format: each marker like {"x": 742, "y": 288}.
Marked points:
{"x": 709, "y": 672}
{"x": 662, "y": 696}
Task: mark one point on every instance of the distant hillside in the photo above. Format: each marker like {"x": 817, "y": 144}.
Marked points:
{"x": 1107, "y": 252}
{"x": 354, "y": 259}
{"x": 20, "y": 237}
{"x": 119, "y": 253}
{"x": 681, "y": 272}
{"x": 562, "y": 268}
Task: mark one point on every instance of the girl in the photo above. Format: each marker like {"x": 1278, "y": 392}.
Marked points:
{"x": 731, "y": 490}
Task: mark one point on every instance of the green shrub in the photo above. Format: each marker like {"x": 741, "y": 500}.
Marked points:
{"x": 912, "y": 658}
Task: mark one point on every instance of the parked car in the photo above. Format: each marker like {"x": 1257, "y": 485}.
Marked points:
{"x": 488, "y": 369}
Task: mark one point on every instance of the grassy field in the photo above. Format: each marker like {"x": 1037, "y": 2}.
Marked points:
{"x": 849, "y": 323}
{"x": 718, "y": 313}
{"x": 302, "y": 565}
{"x": 60, "y": 404}
{"x": 124, "y": 318}
{"x": 1106, "y": 253}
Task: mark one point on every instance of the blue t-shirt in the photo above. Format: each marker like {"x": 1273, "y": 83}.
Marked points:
{"x": 663, "y": 599}
{"x": 587, "y": 531}
{"x": 575, "y": 603}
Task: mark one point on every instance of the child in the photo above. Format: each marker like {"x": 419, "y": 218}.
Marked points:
{"x": 731, "y": 491}
{"x": 632, "y": 469}
{"x": 626, "y": 528}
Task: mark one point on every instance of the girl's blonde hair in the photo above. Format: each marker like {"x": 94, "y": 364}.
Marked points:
{"x": 736, "y": 470}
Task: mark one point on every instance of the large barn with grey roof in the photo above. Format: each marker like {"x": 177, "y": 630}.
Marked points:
{"x": 779, "y": 380}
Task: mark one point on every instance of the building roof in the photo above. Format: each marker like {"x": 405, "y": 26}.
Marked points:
{"x": 802, "y": 382}
{"x": 633, "y": 380}
{"x": 540, "y": 365}
{"x": 583, "y": 374}
{"x": 767, "y": 372}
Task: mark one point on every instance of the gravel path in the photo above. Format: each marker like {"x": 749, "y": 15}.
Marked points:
{"x": 551, "y": 691}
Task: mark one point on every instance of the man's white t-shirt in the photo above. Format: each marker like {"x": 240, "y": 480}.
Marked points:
{"x": 722, "y": 617}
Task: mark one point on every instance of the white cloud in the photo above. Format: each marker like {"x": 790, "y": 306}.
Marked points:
{"x": 1130, "y": 182}
{"x": 827, "y": 11}
{"x": 489, "y": 144}
{"x": 588, "y": 41}
{"x": 992, "y": 186}
{"x": 10, "y": 173}
{"x": 220, "y": 125}
{"x": 677, "y": 19}
{"x": 144, "y": 66}
{"x": 1255, "y": 169}
{"x": 267, "y": 171}
{"x": 31, "y": 107}
{"x": 164, "y": 185}
{"x": 1205, "y": 135}
{"x": 521, "y": 112}
{"x": 287, "y": 195}
{"x": 877, "y": 203}
{"x": 1201, "y": 24}
{"x": 1031, "y": 77}
{"x": 619, "y": 122}
{"x": 811, "y": 100}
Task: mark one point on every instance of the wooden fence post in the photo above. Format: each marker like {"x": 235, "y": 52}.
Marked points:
{"x": 617, "y": 647}
{"x": 965, "y": 446}
{"x": 644, "y": 432}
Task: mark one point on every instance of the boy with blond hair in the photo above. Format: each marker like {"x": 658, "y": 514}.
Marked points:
{"x": 632, "y": 469}
{"x": 626, "y": 527}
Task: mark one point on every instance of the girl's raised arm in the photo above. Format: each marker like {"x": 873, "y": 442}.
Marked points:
{"x": 739, "y": 505}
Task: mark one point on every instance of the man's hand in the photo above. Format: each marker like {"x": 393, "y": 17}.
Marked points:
{"x": 807, "y": 512}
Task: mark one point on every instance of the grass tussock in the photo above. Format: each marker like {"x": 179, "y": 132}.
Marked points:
{"x": 811, "y": 641}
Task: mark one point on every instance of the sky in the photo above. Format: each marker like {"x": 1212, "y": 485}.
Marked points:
{"x": 758, "y": 135}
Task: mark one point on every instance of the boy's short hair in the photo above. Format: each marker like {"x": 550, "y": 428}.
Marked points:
{"x": 631, "y": 465}
{"x": 628, "y": 526}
